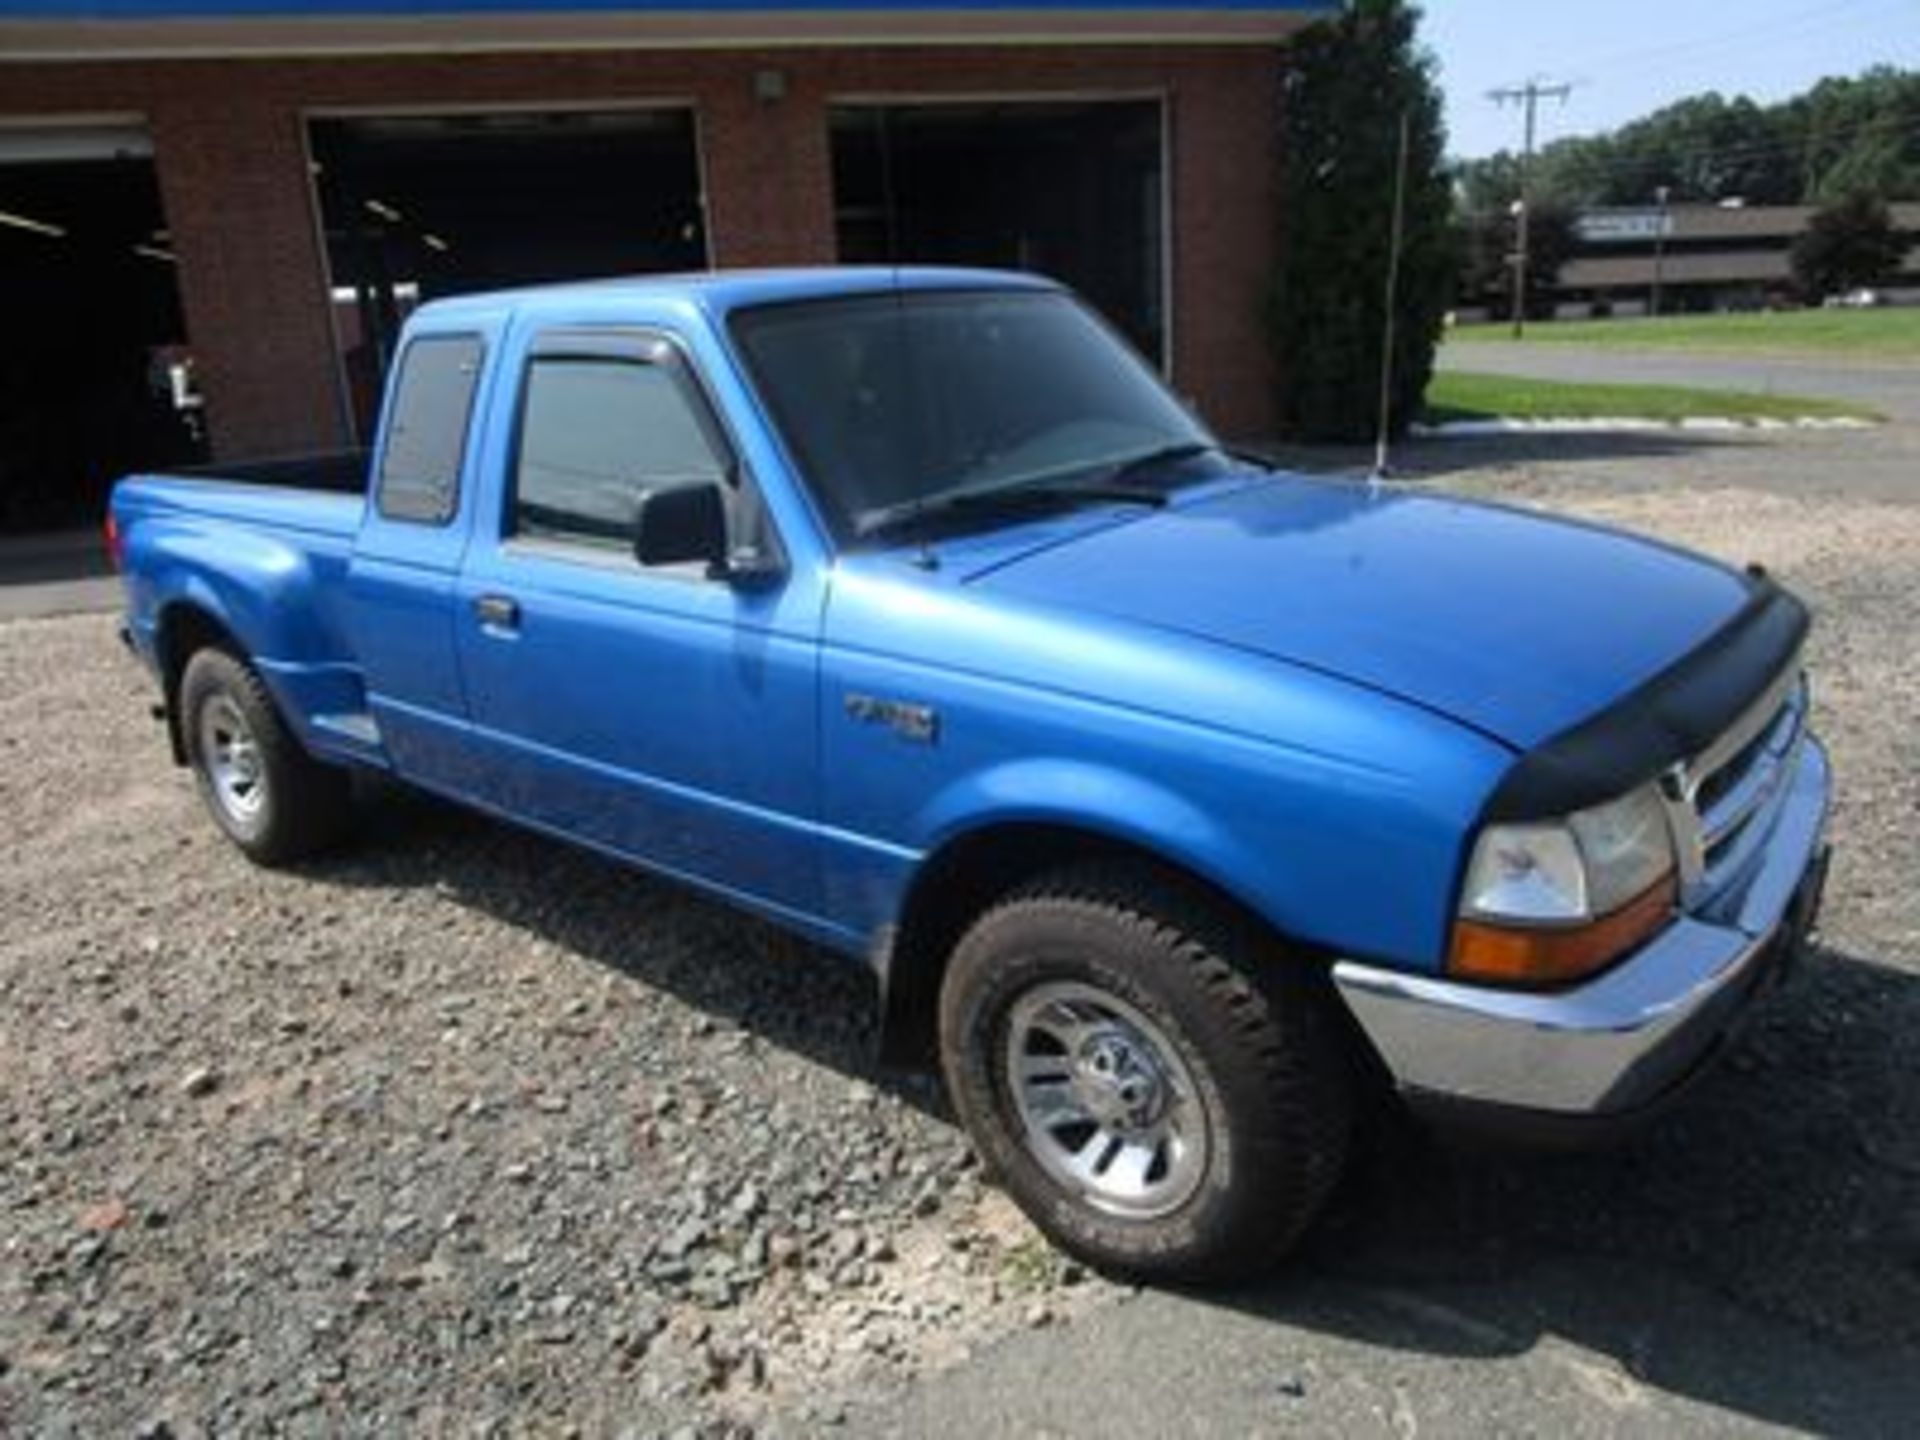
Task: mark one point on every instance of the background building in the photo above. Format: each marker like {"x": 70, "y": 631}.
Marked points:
{"x": 242, "y": 198}
{"x": 1702, "y": 257}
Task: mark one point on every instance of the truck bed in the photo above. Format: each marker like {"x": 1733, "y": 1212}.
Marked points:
{"x": 341, "y": 472}
{"x": 266, "y": 558}
{"x": 243, "y": 495}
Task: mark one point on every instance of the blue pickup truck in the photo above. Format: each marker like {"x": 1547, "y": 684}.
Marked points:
{"x": 1181, "y": 806}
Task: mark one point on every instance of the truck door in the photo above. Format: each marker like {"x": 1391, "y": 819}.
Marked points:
{"x": 658, "y": 712}
{"x": 401, "y": 580}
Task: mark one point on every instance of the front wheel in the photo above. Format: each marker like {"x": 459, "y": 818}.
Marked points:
{"x": 273, "y": 800}
{"x": 1154, "y": 1081}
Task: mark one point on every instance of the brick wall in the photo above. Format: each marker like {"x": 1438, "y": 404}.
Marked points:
{"x": 230, "y": 152}
{"x": 233, "y": 182}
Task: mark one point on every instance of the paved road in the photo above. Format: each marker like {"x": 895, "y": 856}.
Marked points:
{"x": 1573, "y": 1349}
{"x": 1892, "y": 389}
{"x": 58, "y": 574}
{"x": 1878, "y": 462}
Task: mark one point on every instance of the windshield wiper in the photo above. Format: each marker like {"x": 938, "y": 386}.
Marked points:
{"x": 1002, "y": 499}
{"x": 1158, "y": 456}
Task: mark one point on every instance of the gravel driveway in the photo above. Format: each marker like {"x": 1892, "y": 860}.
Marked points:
{"x": 465, "y": 1131}
{"x": 462, "y": 1126}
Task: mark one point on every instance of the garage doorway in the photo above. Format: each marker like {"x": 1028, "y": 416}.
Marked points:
{"x": 420, "y": 206}
{"x": 95, "y": 378}
{"x": 1074, "y": 189}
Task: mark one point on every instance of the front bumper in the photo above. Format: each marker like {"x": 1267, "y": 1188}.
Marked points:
{"x": 1618, "y": 1044}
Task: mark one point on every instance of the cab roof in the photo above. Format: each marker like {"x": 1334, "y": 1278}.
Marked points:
{"x": 724, "y": 290}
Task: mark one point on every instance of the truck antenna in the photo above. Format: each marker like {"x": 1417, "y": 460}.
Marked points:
{"x": 1398, "y": 224}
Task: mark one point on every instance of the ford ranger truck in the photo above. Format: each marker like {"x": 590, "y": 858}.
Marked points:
{"x": 1174, "y": 801}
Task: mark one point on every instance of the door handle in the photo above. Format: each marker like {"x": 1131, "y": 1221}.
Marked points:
{"x": 497, "y": 612}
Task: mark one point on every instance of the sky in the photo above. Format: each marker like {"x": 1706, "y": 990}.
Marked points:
{"x": 1627, "y": 57}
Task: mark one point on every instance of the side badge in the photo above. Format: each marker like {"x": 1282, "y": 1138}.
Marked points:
{"x": 918, "y": 723}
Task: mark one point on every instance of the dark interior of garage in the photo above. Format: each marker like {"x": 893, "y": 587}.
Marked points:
{"x": 92, "y": 329}
{"x": 1071, "y": 189}
{"x": 419, "y": 206}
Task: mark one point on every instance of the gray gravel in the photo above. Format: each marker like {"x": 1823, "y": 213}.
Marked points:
{"x": 466, "y": 1131}
{"x": 460, "y": 1129}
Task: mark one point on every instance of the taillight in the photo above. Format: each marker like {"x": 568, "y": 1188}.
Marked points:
{"x": 113, "y": 540}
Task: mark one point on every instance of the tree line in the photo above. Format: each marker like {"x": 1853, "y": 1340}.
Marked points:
{"x": 1847, "y": 146}
{"x": 1842, "y": 138}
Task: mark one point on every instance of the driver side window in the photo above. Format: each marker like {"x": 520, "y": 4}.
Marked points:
{"x": 597, "y": 433}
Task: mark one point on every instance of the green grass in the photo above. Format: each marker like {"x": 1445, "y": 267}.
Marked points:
{"x": 1460, "y": 395}
{"x": 1874, "y": 335}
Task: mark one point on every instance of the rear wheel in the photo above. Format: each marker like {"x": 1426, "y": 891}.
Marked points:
{"x": 1156, "y": 1083}
{"x": 271, "y": 798}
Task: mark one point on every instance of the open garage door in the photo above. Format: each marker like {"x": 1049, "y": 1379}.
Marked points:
{"x": 1074, "y": 189}
{"x": 419, "y": 206}
{"x": 94, "y": 372}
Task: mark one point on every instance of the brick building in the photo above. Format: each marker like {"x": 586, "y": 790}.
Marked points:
{"x": 260, "y": 190}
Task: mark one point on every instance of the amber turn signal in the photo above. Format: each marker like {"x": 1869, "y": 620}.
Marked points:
{"x": 1513, "y": 955}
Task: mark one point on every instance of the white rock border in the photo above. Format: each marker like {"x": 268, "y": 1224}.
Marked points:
{"x": 1622, "y": 424}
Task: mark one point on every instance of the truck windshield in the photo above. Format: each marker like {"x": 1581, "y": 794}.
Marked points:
{"x": 896, "y": 404}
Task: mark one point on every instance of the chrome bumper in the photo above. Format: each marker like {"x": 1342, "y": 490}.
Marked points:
{"x": 1618, "y": 1043}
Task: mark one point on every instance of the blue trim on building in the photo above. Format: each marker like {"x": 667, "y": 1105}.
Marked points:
{"x": 289, "y": 9}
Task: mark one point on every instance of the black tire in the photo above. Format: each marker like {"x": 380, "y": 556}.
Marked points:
{"x": 295, "y": 806}
{"x": 1251, "y": 1025}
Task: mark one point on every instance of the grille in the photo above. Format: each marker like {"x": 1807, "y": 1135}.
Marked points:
{"x": 1716, "y": 787}
{"x": 1726, "y": 795}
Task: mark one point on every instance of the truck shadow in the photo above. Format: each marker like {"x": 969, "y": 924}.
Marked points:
{"x": 1758, "y": 1250}
{"x": 728, "y": 966}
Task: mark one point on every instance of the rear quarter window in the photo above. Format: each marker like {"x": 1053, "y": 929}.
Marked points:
{"x": 426, "y": 437}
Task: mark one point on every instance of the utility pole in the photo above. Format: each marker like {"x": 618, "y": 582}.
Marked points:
{"x": 1528, "y": 98}
{"x": 1661, "y": 223}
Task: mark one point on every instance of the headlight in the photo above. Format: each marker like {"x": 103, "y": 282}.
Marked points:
{"x": 1549, "y": 901}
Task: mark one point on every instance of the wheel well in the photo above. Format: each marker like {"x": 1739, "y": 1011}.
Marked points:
{"x": 953, "y": 887}
{"x": 184, "y": 630}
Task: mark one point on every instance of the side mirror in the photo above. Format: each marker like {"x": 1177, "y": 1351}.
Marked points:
{"x": 688, "y": 522}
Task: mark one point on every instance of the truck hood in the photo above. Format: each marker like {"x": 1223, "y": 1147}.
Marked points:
{"x": 1518, "y": 625}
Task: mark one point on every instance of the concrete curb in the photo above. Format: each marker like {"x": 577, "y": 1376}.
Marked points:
{"x": 1628, "y": 424}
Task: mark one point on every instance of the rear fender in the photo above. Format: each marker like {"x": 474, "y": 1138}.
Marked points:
{"x": 260, "y": 589}
{"x": 192, "y": 586}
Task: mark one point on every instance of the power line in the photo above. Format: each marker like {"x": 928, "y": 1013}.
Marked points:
{"x": 1839, "y": 134}
{"x": 1780, "y": 28}
{"x": 1742, "y": 151}
{"x": 1707, "y": 155}
{"x": 1851, "y": 131}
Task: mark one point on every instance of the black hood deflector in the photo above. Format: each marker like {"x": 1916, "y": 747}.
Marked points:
{"x": 1670, "y": 718}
